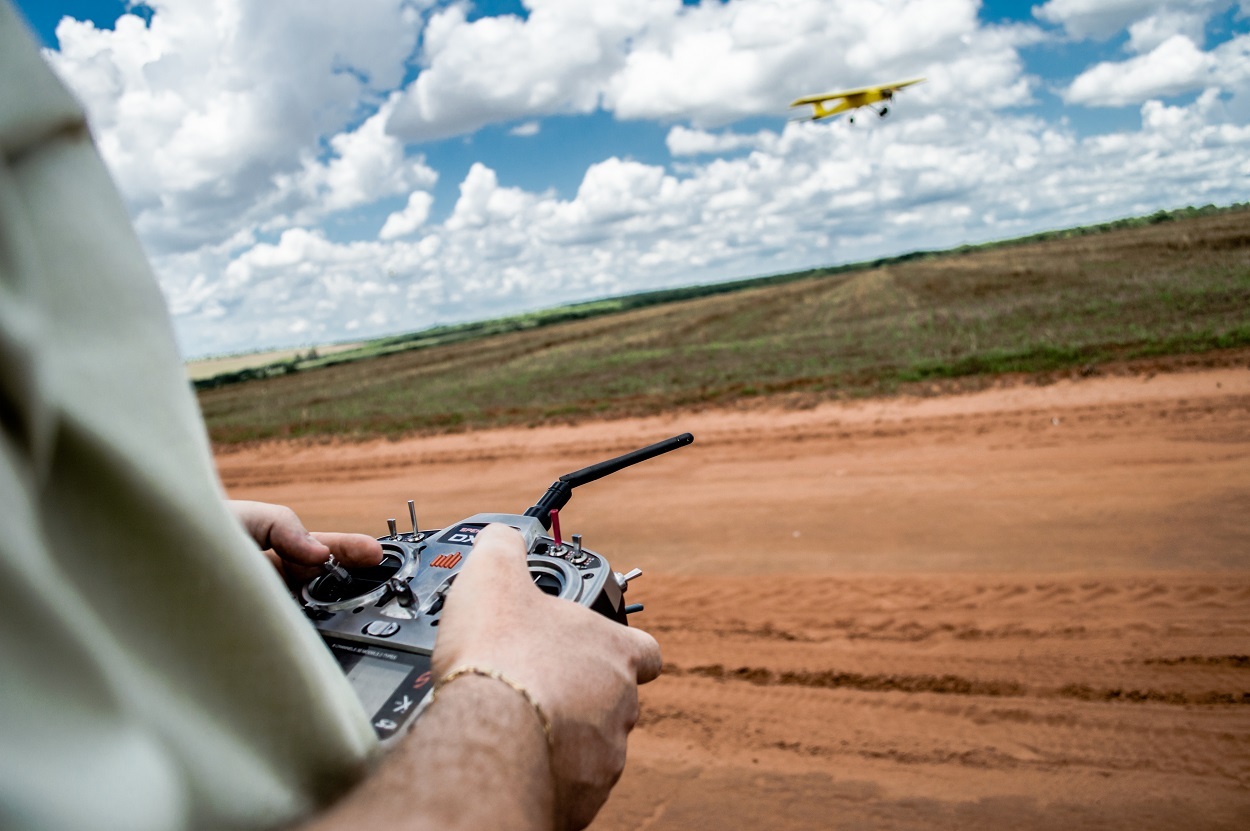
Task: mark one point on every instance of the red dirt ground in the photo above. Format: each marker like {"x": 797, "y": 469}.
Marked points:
{"x": 1026, "y": 607}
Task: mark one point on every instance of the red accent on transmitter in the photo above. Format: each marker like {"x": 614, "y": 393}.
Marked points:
{"x": 555, "y": 526}
{"x": 446, "y": 560}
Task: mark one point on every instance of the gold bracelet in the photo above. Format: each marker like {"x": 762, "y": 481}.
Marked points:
{"x": 460, "y": 672}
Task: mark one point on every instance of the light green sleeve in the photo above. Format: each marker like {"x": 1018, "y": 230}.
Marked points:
{"x": 154, "y": 674}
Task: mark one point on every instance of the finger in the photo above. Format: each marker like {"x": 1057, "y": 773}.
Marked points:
{"x": 279, "y": 528}
{"x": 498, "y": 557}
{"x": 290, "y": 541}
{"x": 351, "y": 550}
{"x": 646, "y": 658}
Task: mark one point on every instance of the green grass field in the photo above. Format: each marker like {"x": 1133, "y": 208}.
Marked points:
{"x": 1163, "y": 285}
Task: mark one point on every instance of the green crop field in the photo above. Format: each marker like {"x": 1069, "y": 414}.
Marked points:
{"x": 1168, "y": 284}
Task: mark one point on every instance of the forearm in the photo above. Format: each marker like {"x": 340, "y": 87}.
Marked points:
{"x": 477, "y": 758}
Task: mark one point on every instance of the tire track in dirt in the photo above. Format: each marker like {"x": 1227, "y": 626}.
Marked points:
{"x": 951, "y": 685}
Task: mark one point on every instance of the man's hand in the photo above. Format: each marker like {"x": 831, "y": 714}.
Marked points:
{"x": 581, "y": 668}
{"x": 297, "y": 554}
{"x": 477, "y": 758}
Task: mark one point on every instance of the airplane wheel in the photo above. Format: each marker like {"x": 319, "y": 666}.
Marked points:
{"x": 884, "y": 110}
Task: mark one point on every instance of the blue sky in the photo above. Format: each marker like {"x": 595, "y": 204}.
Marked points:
{"x": 309, "y": 171}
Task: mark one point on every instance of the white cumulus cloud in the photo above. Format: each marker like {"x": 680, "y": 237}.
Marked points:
{"x": 1175, "y": 66}
{"x": 683, "y": 141}
{"x": 413, "y": 216}
{"x": 503, "y": 68}
{"x": 1149, "y": 22}
{"x": 367, "y": 164}
{"x": 201, "y": 114}
{"x": 1149, "y": 32}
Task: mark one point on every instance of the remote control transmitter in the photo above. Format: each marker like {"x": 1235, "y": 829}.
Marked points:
{"x": 381, "y": 621}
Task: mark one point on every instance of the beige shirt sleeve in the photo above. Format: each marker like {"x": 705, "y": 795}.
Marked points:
{"x": 155, "y": 674}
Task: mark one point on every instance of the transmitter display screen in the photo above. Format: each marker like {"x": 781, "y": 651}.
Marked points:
{"x": 389, "y": 683}
{"x": 376, "y": 680}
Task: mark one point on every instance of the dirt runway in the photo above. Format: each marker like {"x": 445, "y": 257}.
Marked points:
{"x": 1027, "y": 607}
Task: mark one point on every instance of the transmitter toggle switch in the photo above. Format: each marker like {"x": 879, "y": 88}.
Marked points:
{"x": 554, "y": 516}
{"x": 622, "y": 580}
{"x": 577, "y": 557}
{"x": 412, "y": 512}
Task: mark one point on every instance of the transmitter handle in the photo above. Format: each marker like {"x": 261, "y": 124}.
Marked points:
{"x": 558, "y": 495}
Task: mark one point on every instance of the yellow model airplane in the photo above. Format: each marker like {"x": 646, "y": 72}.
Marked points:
{"x": 852, "y": 99}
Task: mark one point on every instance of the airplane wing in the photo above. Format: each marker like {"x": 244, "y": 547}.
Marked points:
{"x": 828, "y": 96}
{"x": 849, "y": 93}
{"x": 900, "y": 84}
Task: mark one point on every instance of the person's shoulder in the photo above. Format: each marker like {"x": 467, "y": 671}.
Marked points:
{"x": 34, "y": 103}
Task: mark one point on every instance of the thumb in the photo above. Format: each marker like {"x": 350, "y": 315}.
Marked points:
{"x": 497, "y": 559}
{"x": 646, "y": 656}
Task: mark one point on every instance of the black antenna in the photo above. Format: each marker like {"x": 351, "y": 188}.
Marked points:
{"x": 558, "y": 495}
